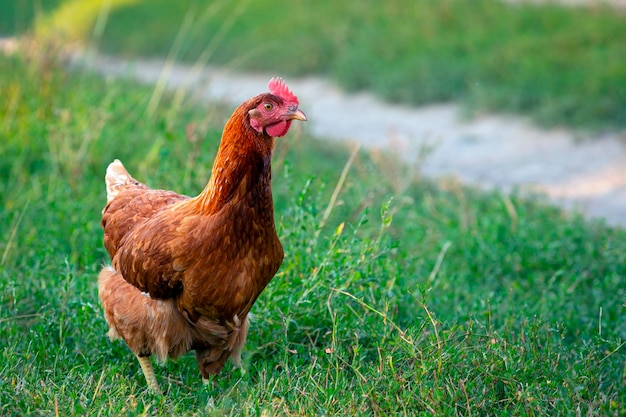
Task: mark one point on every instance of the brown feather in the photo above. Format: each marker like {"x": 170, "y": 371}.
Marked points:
{"x": 186, "y": 271}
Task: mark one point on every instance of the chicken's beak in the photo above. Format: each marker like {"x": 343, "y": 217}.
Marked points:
{"x": 296, "y": 114}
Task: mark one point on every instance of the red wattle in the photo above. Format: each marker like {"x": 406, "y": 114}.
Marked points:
{"x": 278, "y": 129}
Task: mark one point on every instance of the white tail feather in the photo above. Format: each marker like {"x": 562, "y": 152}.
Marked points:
{"x": 116, "y": 177}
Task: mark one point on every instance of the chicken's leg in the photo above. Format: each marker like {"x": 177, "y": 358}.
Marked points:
{"x": 148, "y": 372}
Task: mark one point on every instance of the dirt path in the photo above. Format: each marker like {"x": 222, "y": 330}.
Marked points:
{"x": 505, "y": 152}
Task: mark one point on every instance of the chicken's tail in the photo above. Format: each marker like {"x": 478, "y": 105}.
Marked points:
{"x": 116, "y": 178}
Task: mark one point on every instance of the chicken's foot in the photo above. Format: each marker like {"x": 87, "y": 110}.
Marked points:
{"x": 148, "y": 372}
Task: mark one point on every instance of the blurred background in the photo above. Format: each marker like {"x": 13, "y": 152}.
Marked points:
{"x": 561, "y": 65}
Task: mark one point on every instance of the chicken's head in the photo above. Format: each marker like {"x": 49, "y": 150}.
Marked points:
{"x": 275, "y": 111}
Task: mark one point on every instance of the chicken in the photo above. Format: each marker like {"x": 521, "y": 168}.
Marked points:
{"x": 185, "y": 272}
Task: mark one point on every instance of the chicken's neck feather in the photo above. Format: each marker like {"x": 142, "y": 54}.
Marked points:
{"x": 242, "y": 167}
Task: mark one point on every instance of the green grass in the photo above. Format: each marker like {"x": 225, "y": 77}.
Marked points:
{"x": 558, "y": 65}
{"x": 18, "y": 16}
{"x": 404, "y": 298}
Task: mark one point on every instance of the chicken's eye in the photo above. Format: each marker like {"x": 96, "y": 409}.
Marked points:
{"x": 268, "y": 106}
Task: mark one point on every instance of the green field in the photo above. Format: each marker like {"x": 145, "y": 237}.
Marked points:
{"x": 397, "y": 297}
{"x": 562, "y": 66}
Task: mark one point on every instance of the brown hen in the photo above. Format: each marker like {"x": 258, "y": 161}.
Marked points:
{"x": 186, "y": 271}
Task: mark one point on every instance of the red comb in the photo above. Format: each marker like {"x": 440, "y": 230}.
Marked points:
{"x": 278, "y": 87}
